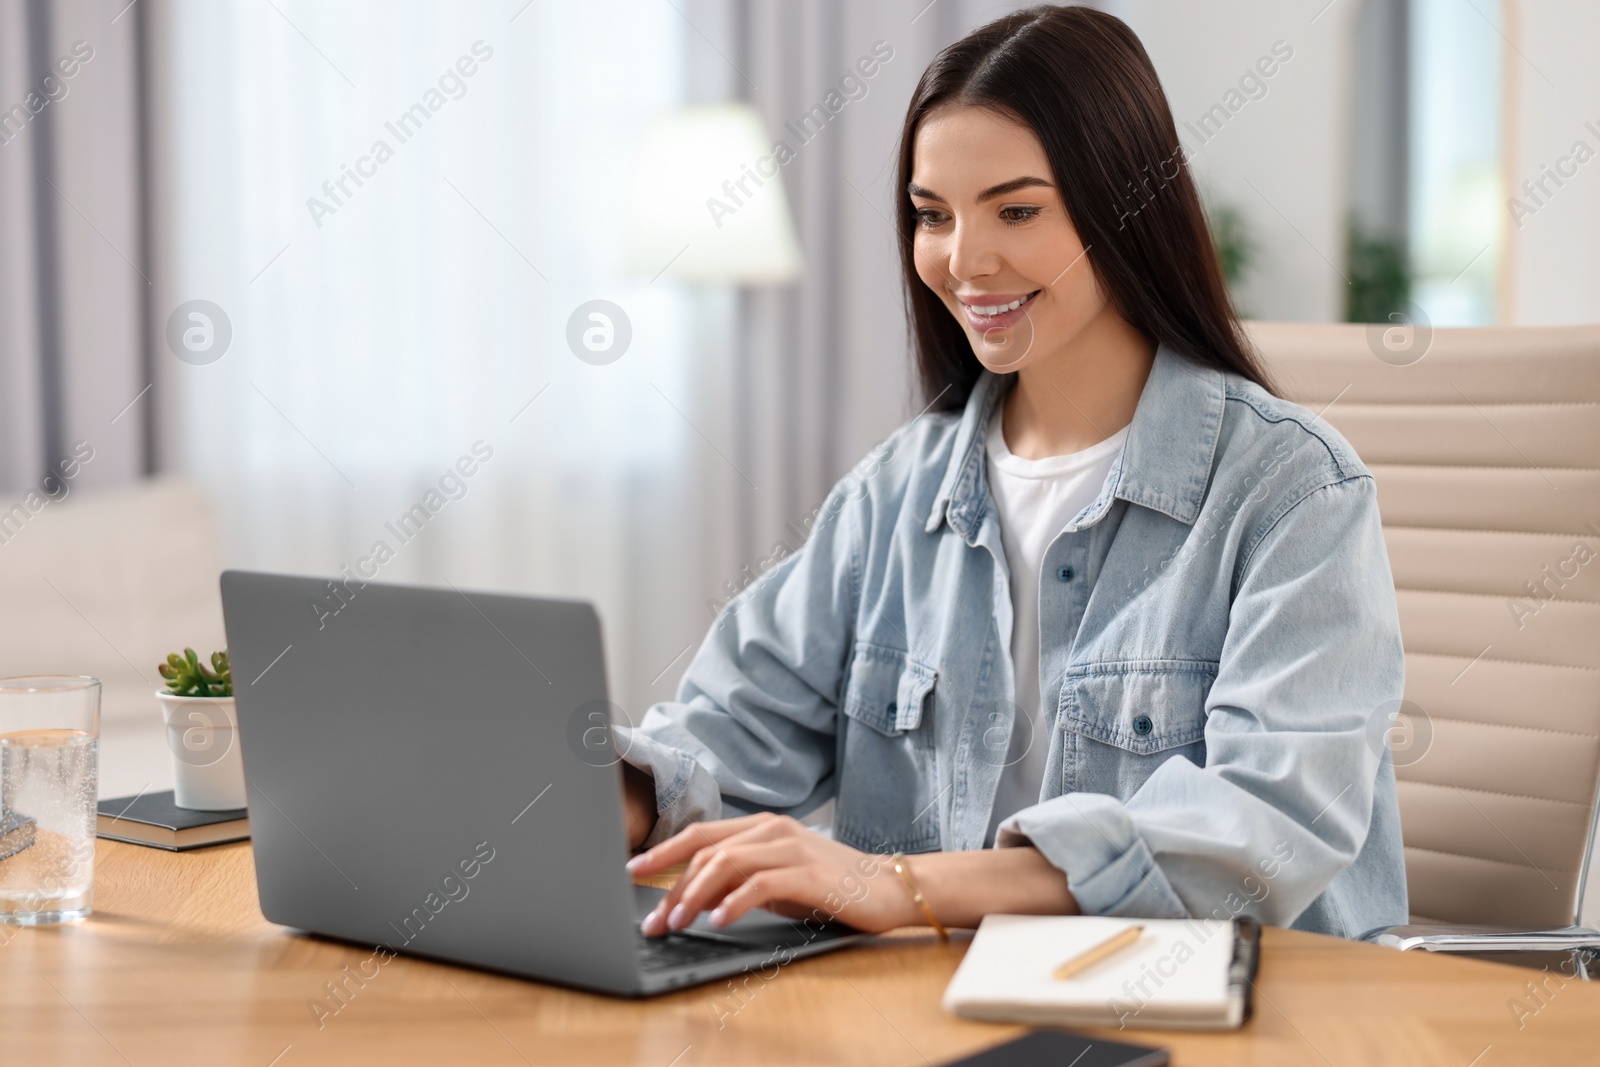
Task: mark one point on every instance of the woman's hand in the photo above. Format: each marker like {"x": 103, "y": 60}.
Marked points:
{"x": 772, "y": 861}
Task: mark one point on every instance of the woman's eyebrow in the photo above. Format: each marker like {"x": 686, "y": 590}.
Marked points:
{"x": 1026, "y": 182}
{"x": 1012, "y": 186}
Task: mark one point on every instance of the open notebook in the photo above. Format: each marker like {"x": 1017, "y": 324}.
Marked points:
{"x": 1181, "y": 974}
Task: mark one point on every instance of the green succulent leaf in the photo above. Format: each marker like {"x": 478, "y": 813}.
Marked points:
{"x": 187, "y": 676}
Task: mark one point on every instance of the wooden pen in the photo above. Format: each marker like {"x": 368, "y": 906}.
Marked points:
{"x": 1090, "y": 956}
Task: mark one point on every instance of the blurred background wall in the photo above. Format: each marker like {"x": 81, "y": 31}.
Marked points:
{"x": 368, "y": 316}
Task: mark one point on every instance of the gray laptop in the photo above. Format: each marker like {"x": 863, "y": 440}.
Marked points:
{"x": 430, "y": 770}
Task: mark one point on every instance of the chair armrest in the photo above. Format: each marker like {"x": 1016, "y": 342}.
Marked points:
{"x": 1465, "y": 938}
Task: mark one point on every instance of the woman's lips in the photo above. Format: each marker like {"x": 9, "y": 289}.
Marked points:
{"x": 984, "y": 323}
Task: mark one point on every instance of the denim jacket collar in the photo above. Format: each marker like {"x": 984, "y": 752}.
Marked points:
{"x": 1165, "y": 464}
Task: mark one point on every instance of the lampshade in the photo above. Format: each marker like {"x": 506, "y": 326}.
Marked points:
{"x": 707, "y": 202}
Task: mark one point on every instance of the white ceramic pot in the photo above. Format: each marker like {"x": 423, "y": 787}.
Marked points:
{"x": 203, "y": 737}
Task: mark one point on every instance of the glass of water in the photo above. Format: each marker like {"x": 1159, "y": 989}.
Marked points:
{"x": 49, "y": 784}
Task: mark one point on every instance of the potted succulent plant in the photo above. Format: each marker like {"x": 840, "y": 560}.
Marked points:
{"x": 202, "y": 732}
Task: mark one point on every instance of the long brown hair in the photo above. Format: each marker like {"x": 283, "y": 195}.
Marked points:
{"x": 1080, "y": 79}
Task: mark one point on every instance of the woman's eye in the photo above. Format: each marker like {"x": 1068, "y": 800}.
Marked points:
{"x": 1016, "y": 215}
{"x": 928, "y": 218}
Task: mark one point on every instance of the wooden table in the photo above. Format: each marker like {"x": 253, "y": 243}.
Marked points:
{"x": 177, "y": 966}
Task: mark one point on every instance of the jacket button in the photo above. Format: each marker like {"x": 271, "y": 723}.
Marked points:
{"x": 890, "y": 709}
{"x": 1142, "y": 725}
{"x": 1064, "y": 574}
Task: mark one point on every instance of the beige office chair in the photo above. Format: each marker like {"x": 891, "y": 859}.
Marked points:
{"x": 1485, "y": 444}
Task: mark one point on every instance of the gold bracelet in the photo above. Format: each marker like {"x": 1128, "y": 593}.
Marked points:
{"x": 903, "y": 869}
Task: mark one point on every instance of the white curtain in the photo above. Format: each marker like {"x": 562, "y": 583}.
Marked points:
{"x": 382, "y": 327}
{"x": 387, "y": 331}
{"x": 73, "y": 265}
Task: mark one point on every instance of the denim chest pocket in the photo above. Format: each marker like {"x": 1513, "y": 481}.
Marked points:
{"x": 1143, "y": 707}
{"x": 887, "y": 690}
{"x": 886, "y": 754}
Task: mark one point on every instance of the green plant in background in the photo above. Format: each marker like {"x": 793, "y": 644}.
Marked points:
{"x": 1236, "y": 249}
{"x": 187, "y": 677}
{"x": 1380, "y": 276}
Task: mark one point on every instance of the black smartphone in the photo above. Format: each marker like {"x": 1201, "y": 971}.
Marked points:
{"x": 1057, "y": 1048}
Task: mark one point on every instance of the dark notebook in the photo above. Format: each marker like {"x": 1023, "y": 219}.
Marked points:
{"x": 1053, "y": 1048}
{"x": 153, "y": 819}
{"x": 16, "y": 833}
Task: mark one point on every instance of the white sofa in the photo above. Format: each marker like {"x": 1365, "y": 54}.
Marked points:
{"x": 106, "y": 583}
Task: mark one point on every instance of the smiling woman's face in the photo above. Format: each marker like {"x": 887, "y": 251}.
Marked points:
{"x": 993, "y": 238}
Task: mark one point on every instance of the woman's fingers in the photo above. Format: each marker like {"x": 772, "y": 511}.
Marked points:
{"x": 691, "y": 839}
{"x": 729, "y": 867}
{"x": 656, "y": 922}
{"x": 791, "y": 884}
{"x": 714, "y": 870}
{"x": 790, "y": 891}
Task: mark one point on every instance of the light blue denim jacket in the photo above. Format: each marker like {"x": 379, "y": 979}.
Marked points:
{"x": 1219, "y": 654}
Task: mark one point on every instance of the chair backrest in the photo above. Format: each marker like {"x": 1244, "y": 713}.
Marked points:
{"x": 1485, "y": 445}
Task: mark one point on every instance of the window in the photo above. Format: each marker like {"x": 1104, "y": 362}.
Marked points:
{"x": 1427, "y": 204}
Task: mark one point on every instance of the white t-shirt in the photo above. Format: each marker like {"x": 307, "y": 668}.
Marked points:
{"x": 1036, "y": 499}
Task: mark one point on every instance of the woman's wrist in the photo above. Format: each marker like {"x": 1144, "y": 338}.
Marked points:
{"x": 921, "y": 911}
{"x": 904, "y": 910}
{"x": 962, "y": 887}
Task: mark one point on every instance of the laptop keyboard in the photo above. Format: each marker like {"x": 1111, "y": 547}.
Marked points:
{"x": 675, "y": 950}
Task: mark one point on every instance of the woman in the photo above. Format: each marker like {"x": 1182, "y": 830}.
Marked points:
{"x": 1109, "y": 604}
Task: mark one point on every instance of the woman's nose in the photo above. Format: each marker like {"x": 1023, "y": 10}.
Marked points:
{"x": 972, "y": 253}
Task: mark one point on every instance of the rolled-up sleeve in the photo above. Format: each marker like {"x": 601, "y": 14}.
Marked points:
{"x": 1284, "y": 800}
{"x": 753, "y": 726}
